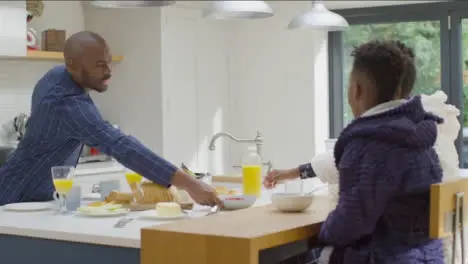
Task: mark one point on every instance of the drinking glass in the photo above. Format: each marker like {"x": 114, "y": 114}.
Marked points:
{"x": 63, "y": 182}
{"x": 134, "y": 181}
{"x": 133, "y": 178}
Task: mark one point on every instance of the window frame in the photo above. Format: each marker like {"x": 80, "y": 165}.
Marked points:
{"x": 449, "y": 14}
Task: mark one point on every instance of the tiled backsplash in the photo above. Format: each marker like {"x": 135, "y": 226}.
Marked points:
{"x": 17, "y": 81}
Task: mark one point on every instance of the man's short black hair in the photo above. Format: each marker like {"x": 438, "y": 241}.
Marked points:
{"x": 390, "y": 66}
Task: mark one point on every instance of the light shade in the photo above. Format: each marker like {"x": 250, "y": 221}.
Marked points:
{"x": 238, "y": 10}
{"x": 130, "y": 4}
{"x": 319, "y": 17}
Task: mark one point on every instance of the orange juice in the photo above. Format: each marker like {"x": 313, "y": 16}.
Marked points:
{"x": 133, "y": 178}
{"x": 63, "y": 186}
{"x": 252, "y": 179}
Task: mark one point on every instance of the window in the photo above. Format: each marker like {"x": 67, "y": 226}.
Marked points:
{"x": 464, "y": 123}
{"x": 438, "y": 33}
{"x": 423, "y": 37}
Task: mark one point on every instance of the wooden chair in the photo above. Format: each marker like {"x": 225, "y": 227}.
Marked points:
{"x": 447, "y": 213}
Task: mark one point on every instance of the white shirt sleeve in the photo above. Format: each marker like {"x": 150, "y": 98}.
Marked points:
{"x": 324, "y": 167}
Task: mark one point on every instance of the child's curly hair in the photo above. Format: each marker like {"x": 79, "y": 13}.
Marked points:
{"x": 390, "y": 66}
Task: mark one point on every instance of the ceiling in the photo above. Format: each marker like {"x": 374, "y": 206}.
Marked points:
{"x": 358, "y": 4}
{"x": 331, "y": 4}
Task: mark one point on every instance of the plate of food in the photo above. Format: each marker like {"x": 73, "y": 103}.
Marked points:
{"x": 165, "y": 211}
{"x": 102, "y": 209}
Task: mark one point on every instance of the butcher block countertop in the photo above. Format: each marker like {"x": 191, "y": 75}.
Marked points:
{"x": 234, "y": 237}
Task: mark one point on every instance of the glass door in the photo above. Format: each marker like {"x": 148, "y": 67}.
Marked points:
{"x": 464, "y": 81}
{"x": 422, "y": 36}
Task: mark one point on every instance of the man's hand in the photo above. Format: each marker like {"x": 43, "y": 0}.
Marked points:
{"x": 204, "y": 194}
{"x": 200, "y": 192}
{"x": 274, "y": 176}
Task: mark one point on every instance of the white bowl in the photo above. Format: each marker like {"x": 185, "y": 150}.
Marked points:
{"x": 237, "y": 201}
{"x": 291, "y": 202}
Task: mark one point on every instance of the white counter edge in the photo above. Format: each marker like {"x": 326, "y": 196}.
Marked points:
{"x": 99, "y": 168}
{"x": 71, "y": 237}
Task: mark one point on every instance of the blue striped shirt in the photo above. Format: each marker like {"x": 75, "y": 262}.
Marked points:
{"x": 63, "y": 117}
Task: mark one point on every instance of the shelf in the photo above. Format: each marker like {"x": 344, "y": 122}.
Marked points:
{"x": 40, "y": 55}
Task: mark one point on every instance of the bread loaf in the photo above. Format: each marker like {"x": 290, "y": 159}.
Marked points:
{"x": 155, "y": 193}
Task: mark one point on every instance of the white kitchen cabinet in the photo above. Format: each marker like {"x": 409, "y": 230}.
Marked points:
{"x": 213, "y": 93}
{"x": 195, "y": 85}
{"x": 179, "y": 86}
{"x": 13, "y": 28}
{"x": 178, "y": 66}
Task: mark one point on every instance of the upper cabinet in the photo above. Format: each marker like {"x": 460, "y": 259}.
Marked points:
{"x": 12, "y": 28}
{"x": 19, "y": 39}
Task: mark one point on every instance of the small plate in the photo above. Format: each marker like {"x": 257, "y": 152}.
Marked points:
{"x": 155, "y": 217}
{"x": 117, "y": 212}
{"x": 28, "y": 207}
{"x": 237, "y": 201}
{"x": 91, "y": 197}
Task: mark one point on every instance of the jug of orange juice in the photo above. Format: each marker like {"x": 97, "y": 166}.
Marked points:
{"x": 252, "y": 172}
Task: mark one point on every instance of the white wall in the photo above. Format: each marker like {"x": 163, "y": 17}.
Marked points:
{"x": 276, "y": 82}
{"x": 196, "y": 87}
{"x": 17, "y": 78}
{"x": 171, "y": 89}
{"x": 185, "y": 78}
{"x": 133, "y": 99}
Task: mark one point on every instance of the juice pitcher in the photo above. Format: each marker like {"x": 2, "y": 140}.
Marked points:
{"x": 252, "y": 172}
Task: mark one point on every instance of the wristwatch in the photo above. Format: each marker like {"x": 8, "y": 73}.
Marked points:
{"x": 306, "y": 171}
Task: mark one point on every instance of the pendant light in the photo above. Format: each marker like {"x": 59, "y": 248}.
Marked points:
{"x": 238, "y": 10}
{"x": 130, "y": 4}
{"x": 319, "y": 17}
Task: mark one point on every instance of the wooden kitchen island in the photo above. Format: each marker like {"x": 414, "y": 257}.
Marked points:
{"x": 235, "y": 237}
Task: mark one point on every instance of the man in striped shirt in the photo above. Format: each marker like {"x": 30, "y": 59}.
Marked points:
{"x": 64, "y": 117}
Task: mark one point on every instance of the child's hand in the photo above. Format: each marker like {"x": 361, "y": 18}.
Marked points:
{"x": 279, "y": 175}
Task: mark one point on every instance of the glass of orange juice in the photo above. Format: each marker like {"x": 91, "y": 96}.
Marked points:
{"x": 62, "y": 177}
{"x": 133, "y": 178}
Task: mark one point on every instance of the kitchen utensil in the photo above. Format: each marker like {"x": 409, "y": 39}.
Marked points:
{"x": 123, "y": 222}
{"x": 20, "y": 123}
{"x": 236, "y": 202}
{"x": 28, "y": 207}
{"x": 291, "y": 202}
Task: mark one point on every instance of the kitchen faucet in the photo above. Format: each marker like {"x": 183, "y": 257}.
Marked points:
{"x": 258, "y": 141}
